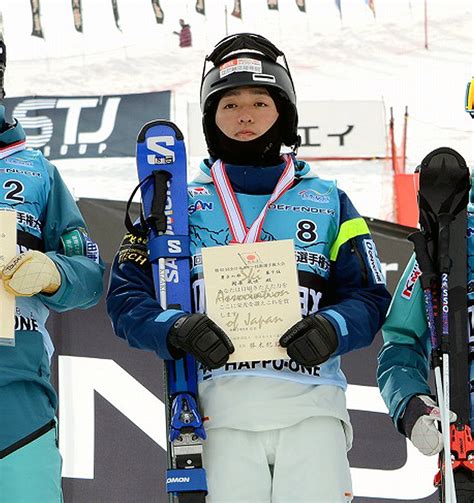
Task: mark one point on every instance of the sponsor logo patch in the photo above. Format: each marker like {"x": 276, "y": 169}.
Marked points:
{"x": 20, "y": 162}
{"x": 200, "y": 206}
{"x": 240, "y": 65}
{"x": 28, "y": 220}
{"x": 198, "y": 191}
{"x": 92, "y": 249}
{"x": 77, "y": 242}
{"x": 24, "y": 323}
{"x": 302, "y": 209}
{"x": 313, "y": 195}
{"x": 133, "y": 249}
{"x": 411, "y": 280}
{"x": 374, "y": 262}
{"x": 175, "y": 480}
{"x": 311, "y": 258}
{"x": 284, "y": 366}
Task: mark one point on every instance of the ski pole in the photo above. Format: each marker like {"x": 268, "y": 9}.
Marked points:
{"x": 444, "y": 268}
{"x": 428, "y": 284}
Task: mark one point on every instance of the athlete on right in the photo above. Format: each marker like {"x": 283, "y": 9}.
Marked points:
{"x": 411, "y": 344}
{"x": 404, "y": 364}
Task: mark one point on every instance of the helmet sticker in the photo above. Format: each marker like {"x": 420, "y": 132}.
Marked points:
{"x": 240, "y": 65}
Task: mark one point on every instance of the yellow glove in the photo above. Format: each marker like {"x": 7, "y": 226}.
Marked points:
{"x": 30, "y": 273}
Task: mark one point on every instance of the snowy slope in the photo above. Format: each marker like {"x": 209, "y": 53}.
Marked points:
{"x": 357, "y": 58}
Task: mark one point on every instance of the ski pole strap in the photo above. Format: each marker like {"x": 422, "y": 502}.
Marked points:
{"x": 128, "y": 221}
{"x": 178, "y": 481}
{"x": 156, "y": 218}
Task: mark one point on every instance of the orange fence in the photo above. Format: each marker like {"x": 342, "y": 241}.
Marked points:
{"x": 406, "y": 188}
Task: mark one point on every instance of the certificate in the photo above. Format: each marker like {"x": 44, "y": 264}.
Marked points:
{"x": 7, "y": 253}
{"x": 252, "y": 294}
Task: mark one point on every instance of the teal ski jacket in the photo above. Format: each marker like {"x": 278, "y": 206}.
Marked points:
{"x": 48, "y": 220}
{"x": 404, "y": 360}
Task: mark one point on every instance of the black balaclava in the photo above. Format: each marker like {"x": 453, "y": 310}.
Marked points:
{"x": 262, "y": 151}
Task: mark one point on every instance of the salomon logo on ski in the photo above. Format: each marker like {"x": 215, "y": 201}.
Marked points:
{"x": 167, "y": 155}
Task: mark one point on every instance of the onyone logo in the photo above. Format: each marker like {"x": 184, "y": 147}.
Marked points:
{"x": 374, "y": 261}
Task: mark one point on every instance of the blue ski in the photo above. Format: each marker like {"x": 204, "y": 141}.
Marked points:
{"x": 161, "y": 163}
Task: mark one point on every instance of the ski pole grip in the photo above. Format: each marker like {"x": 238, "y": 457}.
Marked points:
{"x": 157, "y": 218}
{"x": 423, "y": 258}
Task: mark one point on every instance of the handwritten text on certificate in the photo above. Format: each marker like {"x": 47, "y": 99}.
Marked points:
{"x": 252, "y": 294}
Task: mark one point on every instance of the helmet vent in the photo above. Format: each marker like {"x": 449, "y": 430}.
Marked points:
{"x": 263, "y": 77}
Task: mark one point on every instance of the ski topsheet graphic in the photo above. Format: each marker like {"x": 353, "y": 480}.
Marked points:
{"x": 161, "y": 163}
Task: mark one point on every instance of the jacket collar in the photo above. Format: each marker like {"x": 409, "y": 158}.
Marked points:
{"x": 12, "y": 136}
{"x": 302, "y": 170}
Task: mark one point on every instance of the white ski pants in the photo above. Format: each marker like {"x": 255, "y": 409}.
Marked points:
{"x": 309, "y": 464}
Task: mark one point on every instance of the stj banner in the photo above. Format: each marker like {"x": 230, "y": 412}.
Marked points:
{"x": 67, "y": 127}
{"x": 111, "y": 415}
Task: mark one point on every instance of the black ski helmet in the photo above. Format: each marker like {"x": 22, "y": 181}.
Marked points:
{"x": 248, "y": 59}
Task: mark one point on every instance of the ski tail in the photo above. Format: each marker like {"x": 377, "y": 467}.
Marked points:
{"x": 444, "y": 183}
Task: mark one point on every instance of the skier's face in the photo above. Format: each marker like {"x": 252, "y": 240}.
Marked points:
{"x": 246, "y": 113}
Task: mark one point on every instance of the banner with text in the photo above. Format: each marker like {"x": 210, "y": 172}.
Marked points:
{"x": 87, "y": 126}
{"x": 112, "y": 417}
{"x": 328, "y": 129}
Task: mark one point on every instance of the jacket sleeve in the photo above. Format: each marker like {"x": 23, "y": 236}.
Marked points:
{"x": 135, "y": 313}
{"x": 357, "y": 299}
{"x": 68, "y": 244}
{"x": 403, "y": 362}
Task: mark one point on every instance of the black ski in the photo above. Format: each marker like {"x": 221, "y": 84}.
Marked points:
{"x": 441, "y": 252}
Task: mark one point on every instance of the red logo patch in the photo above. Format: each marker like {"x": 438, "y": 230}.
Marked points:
{"x": 411, "y": 281}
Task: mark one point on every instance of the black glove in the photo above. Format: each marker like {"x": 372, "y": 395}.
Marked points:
{"x": 311, "y": 341}
{"x": 199, "y": 335}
